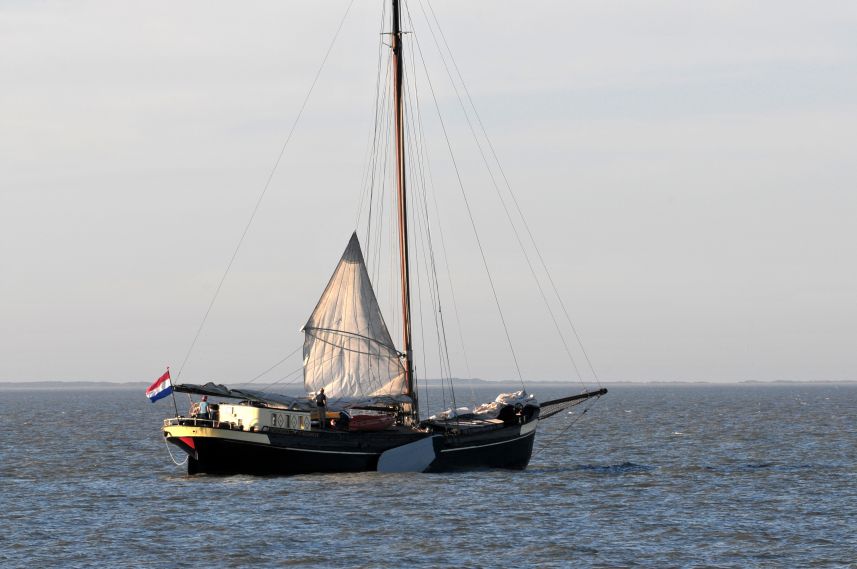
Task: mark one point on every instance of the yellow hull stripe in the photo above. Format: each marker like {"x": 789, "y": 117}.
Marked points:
{"x": 177, "y": 431}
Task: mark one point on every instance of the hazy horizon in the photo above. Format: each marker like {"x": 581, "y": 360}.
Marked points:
{"x": 687, "y": 170}
{"x": 460, "y": 383}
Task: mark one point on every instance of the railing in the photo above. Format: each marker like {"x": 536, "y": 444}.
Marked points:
{"x": 212, "y": 424}
{"x": 193, "y": 422}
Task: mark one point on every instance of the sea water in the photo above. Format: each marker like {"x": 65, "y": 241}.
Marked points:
{"x": 650, "y": 476}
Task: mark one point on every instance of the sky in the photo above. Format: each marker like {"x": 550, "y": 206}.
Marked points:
{"x": 687, "y": 169}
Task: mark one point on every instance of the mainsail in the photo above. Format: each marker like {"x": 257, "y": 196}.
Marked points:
{"x": 348, "y": 350}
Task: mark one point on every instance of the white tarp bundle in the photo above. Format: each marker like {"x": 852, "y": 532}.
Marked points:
{"x": 514, "y": 398}
{"x": 489, "y": 410}
{"x": 452, "y": 413}
{"x": 347, "y": 348}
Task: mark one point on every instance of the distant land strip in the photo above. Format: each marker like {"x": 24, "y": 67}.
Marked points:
{"x": 461, "y": 383}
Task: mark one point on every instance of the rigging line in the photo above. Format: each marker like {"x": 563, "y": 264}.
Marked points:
{"x": 276, "y": 364}
{"x": 426, "y": 252}
{"x": 416, "y": 220}
{"x": 419, "y": 217}
{"x": 424, "y": 159}
{"x": 419, "y": 157}
{"x": 395, "y": 276}
{"x": 434, "y": 286}
{"x": 574, "y": 421}
{"x": 335, "y": 331}
{"x": 376, "y": 230}
{"x": 293, "y": 372}
{"x": 425, "y": 247}
{"x": 422, "y": 337}
{"x": 470, "y": 216}
{"x": 393, "y": 271}
{"x": 418, "y": 182}
{"x": 379, "y": 179}
{"x": 515, "y": 199}
{"x": 290, "y": 374}
{"x": 369, "y": 178}
{"x": 505, "y": 206}
{"x": 381, "y": 277}
{"x": 421, "y": 246}
{"x": 368, "y": 350}
{"x": 322, "y": 359}
{"x": 265, "y": 188}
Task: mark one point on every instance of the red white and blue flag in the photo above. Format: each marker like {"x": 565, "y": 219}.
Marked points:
{"x": 161, "y": 388}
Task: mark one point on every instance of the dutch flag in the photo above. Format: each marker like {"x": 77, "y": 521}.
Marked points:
{"x": 161, "y": 388}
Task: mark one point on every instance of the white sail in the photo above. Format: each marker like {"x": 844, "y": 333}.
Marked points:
{"x": 347, "y": 348}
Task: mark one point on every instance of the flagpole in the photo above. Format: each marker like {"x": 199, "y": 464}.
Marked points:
{"x": 173, "y": 394}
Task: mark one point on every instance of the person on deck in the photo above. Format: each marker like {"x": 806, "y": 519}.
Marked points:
{"x": 321, "y": 403}
{"x": 203, "y": 408}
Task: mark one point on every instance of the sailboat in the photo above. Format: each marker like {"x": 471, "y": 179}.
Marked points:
{"x": 361, "y": 411}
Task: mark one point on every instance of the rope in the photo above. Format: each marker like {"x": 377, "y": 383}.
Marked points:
{"x": 566, "y": 429}
{"x": 494, "y": 183}
{"x": 172, "y": 457}
{"x": 427, "y": 182}
{"x": 264, "y": 189}
{"x": 276, "y": 364}
{"x": 418, "y": 166}
{"x": 470, "y": 216}
{"x": 372, "y": 152}
{"x": 511, "y": 193}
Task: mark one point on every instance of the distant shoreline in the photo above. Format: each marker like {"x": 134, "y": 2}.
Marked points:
{"x": 141, "y": 385}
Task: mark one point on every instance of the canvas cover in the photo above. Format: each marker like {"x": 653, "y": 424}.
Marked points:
{"x": 281, "y": 400}
{"x": 348, "y": 350}
{"x": 489, "y": 410}
{"x": 268, "y": 398}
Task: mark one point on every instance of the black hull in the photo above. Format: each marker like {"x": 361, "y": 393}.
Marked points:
{"x": 225, "y": 451}
{"x": 510, "y": 453}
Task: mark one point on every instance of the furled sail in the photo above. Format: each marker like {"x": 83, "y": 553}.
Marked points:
{"x": 347, "y": 348}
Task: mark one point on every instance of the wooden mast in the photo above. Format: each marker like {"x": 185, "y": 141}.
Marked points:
{"x": 398, "y": 80}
